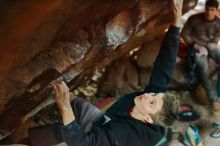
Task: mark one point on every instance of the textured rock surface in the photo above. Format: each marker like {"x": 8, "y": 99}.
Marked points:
{"x": 69, "y": 40}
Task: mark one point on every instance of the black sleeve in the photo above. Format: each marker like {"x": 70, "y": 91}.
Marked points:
{"x": 162, "y": 71}
{"x": 165, "y": 62}
{"x": 75, "y": 136}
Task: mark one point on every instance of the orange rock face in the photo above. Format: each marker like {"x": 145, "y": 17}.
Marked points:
{"x": 65, "y": 39}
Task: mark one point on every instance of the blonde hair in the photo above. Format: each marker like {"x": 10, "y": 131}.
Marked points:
{"x": 167, "y": 115}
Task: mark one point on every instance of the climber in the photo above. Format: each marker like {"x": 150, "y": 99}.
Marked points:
{"x": 135, "y": 119}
